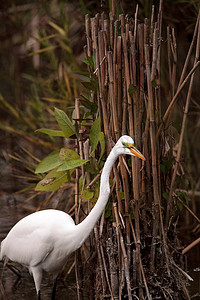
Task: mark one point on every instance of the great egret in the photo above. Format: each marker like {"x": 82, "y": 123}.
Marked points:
{"x": 42, "y": 241}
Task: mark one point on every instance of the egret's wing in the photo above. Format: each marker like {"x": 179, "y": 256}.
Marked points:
{"x": 27, "y": 245}
{"x": 31, "y": 240}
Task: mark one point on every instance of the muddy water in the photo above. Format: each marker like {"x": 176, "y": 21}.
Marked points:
{"x": 193, "y": 269}
{"x": 23, "y": 288}
{"x": 15, "y": 288}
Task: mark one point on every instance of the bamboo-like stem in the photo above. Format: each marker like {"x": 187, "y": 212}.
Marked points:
{"x": 173, "y": 47}
{"x": 88, "y": 38}
{"x": 152, "y": 24}
{"x": 128, "y": 58}
{"x": 100, "y": 261}
{"x": 123, "y": 248}
{"x": 119, "y": 78}
{"x": 187, "y": 208}
{"x": 157, "y": 209}
{"x": 113, "y": 102}
{"x": 111, "y": 30}
{"x": 169, "y": 60}
{"x": 190, "y": 246}
{"x": 182, "y": 129}
{"x": 78, "y": 284}
{"x": 189, "y": 51}
{"x": 125, "y": 181}
{"x": 174, "y": 99}
{"x": 140, "y": 260}
{"x": 106, "y": 272}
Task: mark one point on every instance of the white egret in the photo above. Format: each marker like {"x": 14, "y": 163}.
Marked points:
{"x": 43, "y": 240}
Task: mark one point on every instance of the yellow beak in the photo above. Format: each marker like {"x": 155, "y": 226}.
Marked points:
{"x": 136, "y": 152}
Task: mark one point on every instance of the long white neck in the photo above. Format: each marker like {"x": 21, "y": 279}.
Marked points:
{"x": 86, "y": 226}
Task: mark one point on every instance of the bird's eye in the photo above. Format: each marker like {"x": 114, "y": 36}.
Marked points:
{"x": 126, "y": 145}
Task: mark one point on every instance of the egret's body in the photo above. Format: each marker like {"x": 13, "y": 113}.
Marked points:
{"x": 43, "y": 240}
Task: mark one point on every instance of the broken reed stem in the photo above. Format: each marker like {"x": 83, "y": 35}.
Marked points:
{"x": 169, "y": 60}
{"x": 125, "y": 61}
{"x": 186, "y": 207}
{"x": 173, "y": 47}
{"x": 100, "y": 266}
{"x": 140, "y": 260}
{"x": 190, "y": 246}
{"x": 182, "y": 129}
{"x": 157, "y": 214}
{"x": 123, "y": 248}
{"x": 174, "y": 99}
{"x": 106, "y": 271}
{"x": 154, "y": 158}
{"x": 189, "y": 51}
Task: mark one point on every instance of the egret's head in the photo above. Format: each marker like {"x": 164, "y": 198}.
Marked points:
{"x": 126, "y": 146}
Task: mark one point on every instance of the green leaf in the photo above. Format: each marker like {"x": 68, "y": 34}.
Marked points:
{"x": 90, "y": 85}
{"x": 52, "y": 181}
{"x": 154, "y": 83}
{"x": 88, "y": 195}
{"x": 68, "y": 154}
{"x": 64, "y": 123}
{"x": 49, "y": 162}
{"x": 92, "y": 167}
{"x": 179, "y": 204}
{"x": 102, "y": 143}
{"x": 50, "y": 132}
{"x": 131, "y": 90}
{"x": 82, "y": 76}
{"x": 95, "y": 134}
{"x": 89, "y": 61}
{"x": 108, "y": 210}
{"x": 165, "y": 195}
{"x": 72, "y": 164}
{"x": 166, "y": 164}
{"x": 183, "y": 195}
{"x": 122, "y": 195}
{"x": 89, "y": 105}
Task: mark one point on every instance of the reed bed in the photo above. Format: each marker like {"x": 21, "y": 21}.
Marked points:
{"x": 137, "y": 253}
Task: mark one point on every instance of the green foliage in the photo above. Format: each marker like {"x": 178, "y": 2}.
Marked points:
{"x": 154, "y": 84}
{"x": 72, "y": 164}
{"x": 64, "y": 123}
{"x": 183, "y": 197}
{"x": 166, "y": 164}
{"x": 95, "y": 134}
{"x": 64, "y": 160}
{"x": 68, "y": 154}
{"x": 49, "y": 162}
{"x": 88, "y": 104}
{"x": 165, "y": 195}
{"x": 50, "y": 132}
{"x": 52, "y": 181}
{"x": 88, "y": 195}
{"x": 102, "y": 143}
{"x": 131, "y": 90}
{"x": 108, "y": 211}
{"x": 90, "y": 61}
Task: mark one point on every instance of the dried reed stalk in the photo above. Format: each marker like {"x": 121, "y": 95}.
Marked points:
{"x": 128, "y": 66}
{"x": 157, "y": 208}
{"x": 183, "y": 127}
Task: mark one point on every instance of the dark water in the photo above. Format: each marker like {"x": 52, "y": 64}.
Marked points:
{"x": 16, "y": 288}
{"x": 193, "y": 269}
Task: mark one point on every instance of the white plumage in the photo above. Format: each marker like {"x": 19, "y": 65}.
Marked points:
{"x": 43, "y": 240}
